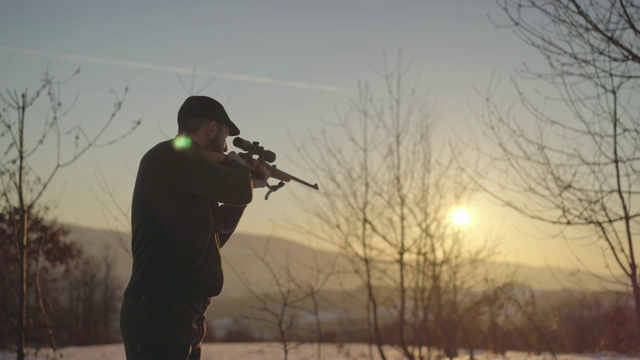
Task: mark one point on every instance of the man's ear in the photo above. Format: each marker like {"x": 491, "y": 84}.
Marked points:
{"x": 211, "y": 128}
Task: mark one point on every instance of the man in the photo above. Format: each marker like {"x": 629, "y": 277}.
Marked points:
{"x": 185, "y": 207}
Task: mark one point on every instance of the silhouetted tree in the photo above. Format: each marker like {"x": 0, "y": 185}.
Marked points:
{"x": 22, "y": 183}
{"x": 573, "y": 162}
{"x": 285, "y": 298}
{"x": 619, "y": 334}
{"x": 89, "y": 302}
{"x": 50, "y": 258}
{"x": 385, "y": 202}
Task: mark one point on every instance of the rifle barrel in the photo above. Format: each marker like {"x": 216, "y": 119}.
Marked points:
{"x": 281, "y": 175}
{"x": 314, "y": 186}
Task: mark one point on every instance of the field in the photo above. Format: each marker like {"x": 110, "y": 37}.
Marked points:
{"x": 273, "y": 351}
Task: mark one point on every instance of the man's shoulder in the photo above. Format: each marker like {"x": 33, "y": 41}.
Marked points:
{"x": 159, "y": 149}
{"x": 169, "y": 152}
{"x": 159, "y": 152}
{"x": 162, "y": 146}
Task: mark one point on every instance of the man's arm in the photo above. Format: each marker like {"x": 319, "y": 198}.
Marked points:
{"x": 228, "y": 221}
{"x": 229, "y": 216}
{"x": 229, "y": 184}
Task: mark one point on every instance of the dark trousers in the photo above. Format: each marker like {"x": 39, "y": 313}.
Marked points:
{"x": 163, "y": 328}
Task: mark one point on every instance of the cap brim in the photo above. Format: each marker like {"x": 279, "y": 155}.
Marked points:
{"x": 233, "y": 129}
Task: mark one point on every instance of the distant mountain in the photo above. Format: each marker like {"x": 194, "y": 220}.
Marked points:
{"x": 245, "y": 260}
{"x": 253, "y": 264}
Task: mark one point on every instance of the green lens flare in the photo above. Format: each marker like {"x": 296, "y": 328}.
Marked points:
{"x": 181, "y": 142}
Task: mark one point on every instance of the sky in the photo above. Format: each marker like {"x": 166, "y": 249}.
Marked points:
{"x": 280, "y": 67}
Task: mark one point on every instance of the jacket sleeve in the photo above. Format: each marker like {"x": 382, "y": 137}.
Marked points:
{"x": 230, "y": 184}
{"x": 229, "y": 217}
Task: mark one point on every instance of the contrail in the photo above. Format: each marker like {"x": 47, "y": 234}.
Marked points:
{"x": 173, "y": 69}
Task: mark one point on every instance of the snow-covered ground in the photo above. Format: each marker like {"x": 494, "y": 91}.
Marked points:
{"x": 273, "y": 351}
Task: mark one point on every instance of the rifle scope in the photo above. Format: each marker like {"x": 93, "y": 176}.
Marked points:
{"x": 254, "y": 148}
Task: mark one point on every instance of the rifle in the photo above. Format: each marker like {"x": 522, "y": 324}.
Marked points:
{"x": 266, "y": 157}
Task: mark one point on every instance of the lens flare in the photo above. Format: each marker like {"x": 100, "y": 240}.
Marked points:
{"x": 181, "y": 142}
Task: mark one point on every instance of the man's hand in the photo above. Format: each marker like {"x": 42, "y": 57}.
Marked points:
{"x": 260, "y": 174}
{"x": 259, "y": 171}
{"x": 232, "y": 155}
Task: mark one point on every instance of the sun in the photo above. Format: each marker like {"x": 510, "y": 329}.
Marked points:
{"x": 461, "y": 217}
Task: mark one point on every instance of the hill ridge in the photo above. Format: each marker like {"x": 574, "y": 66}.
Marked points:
{"x": 244, "y": 254}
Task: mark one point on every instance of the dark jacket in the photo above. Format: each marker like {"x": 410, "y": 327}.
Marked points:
{"x": 177, "y": 224}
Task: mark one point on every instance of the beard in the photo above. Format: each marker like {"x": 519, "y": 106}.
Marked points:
{"x": 217, "y": 143}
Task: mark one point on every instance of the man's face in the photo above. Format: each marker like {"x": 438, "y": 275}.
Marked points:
{"x": 218, "y": 137}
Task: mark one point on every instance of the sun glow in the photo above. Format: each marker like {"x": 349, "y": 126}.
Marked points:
{"x": 461, "y": 217}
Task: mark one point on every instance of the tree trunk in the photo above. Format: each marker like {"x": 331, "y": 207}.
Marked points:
{"x": 24, "y": 222}
{"x": 22, "y": 314}
{"x": 636, "y": 295}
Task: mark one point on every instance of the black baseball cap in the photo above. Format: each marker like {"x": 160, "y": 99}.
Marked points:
{"x": 204, "y": 107}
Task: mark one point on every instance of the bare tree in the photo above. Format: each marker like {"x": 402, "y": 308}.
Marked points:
{"x": 116, "y": 215}
{"x": 287, "y": 297}
{"x": 385, "y": 203}
{"x": 88, "y": 312}
{"x": 573, "y": 161}
{"x": 50, "y": 256}
{"x": 22, "y": 184}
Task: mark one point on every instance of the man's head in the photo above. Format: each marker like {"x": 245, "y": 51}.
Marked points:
{"x": 206, "y": 120}
{"x": 198, "y": 110}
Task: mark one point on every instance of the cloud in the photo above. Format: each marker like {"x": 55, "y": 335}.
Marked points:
{"x": 173, "y": 69}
